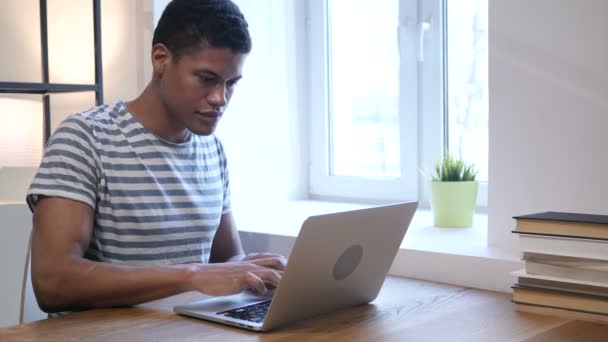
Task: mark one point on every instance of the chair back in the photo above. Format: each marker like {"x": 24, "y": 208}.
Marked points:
{"x": 16, "y": 294}
{"x": 26, "y": 271}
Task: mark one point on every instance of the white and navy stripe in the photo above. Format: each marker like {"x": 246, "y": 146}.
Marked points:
{"x": 155, "y": 202}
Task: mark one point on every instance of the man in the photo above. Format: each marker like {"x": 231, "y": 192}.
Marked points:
{"x": 131, "y": 202}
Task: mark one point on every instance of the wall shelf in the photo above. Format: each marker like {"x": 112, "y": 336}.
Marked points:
{"x": 46, "y": 88}
{"x": 43, "y": 88}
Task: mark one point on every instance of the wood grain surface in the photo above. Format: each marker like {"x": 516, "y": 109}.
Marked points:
{"x": 405, "y": 310}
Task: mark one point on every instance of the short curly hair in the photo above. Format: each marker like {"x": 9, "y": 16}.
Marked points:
{"x": 186, "y": 25}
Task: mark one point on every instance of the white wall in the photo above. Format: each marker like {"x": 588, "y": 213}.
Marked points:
{"x": 548, "y": 110}
{"x": 265, "y": 126}
{"x": 159, "y": 6}
{"x": 126, "y": 44}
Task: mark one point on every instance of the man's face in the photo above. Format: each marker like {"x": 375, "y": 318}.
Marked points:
{"x": 197, "y": 88}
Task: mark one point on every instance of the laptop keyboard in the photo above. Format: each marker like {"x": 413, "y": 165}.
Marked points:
{"x": 253, "y": 313}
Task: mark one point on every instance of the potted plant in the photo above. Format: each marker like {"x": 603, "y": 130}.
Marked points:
{"x": 453, "y": 192}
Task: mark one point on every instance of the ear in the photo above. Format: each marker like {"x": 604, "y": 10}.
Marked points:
{"x": 161, "y": 57}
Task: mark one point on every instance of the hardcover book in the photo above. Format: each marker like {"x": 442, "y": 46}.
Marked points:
{"x": 566, "y": 261}
{"x": 567, "y": 283}
{"x": 567, "y": 267}
{"x": 560, "y": 299}
{"x": 565, "y": 313}
{"x": 564, "y": 246}
{"x": 566, "y": 272}
{"x": 563, "y": 224}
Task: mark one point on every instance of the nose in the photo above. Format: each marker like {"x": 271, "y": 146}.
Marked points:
{"x": 217, "y": 97}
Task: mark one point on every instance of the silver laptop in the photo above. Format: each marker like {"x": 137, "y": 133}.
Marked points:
{"x": 338, "y": 261}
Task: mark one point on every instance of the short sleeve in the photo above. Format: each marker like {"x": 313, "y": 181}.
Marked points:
{"x": 70, "y": 166}
{"x": 227, "y": 206}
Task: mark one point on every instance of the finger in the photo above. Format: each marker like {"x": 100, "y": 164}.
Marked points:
{"x": 274, "y": 263}
{"x": 254, "y": 256}
{"x": 256, "y": 283}
{"x": 271, "y": 278}
{"x": 282, "y": 260}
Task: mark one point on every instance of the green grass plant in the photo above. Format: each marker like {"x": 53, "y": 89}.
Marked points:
{"x": 452, "y": 169}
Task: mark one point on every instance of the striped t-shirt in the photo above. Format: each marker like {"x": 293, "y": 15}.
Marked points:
{"x": 156, "y": 202}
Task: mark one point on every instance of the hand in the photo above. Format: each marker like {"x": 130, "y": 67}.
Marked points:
{"x": 280, "y": 261}
{"x": 228, "y": 278}
{"x": 280, "y": 265}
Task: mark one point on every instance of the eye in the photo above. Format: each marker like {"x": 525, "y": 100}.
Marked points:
{"x": 207, "y": 79}
{"x": 232, "y": 83}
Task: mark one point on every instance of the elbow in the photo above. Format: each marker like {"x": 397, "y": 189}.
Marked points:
{"x": 48, "y": 292}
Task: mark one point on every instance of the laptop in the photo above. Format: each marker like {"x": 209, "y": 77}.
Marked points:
{"x": 339, "y": 260}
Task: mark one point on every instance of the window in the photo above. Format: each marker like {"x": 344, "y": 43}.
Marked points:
{"x": 364, "y": 108}
{"x": 467, "y": 81}
{"x": 363, "y": 89}
{"x": 387, "y": 101}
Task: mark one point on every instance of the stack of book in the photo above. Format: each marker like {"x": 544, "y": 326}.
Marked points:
{"x": 566, "y": 265}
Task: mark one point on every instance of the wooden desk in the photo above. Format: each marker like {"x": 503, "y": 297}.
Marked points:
{"x": 406, "y": 310}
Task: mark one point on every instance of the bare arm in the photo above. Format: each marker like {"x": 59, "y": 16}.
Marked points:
{"x": 64, "y": 280}
{"x": 226, "y": 243}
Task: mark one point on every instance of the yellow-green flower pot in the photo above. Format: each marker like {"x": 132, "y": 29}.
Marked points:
{"x": 453, "y": 203}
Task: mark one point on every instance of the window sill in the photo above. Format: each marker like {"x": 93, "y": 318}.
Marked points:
{"x": 458, "y": 256}
{"x": 285, "y": 219}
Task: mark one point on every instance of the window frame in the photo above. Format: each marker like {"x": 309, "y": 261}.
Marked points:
{"x": 423, "y": 126}
{"x": 482, "y": 195}
{"x": 324, "y": 185}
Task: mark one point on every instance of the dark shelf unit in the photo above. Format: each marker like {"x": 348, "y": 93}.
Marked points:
{"x": 45, "y": 88}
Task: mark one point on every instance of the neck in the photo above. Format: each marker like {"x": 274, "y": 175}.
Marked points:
{"x": 154, "y": 115}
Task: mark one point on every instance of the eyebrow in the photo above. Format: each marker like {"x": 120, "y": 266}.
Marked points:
{"x": 211, "y": 73}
